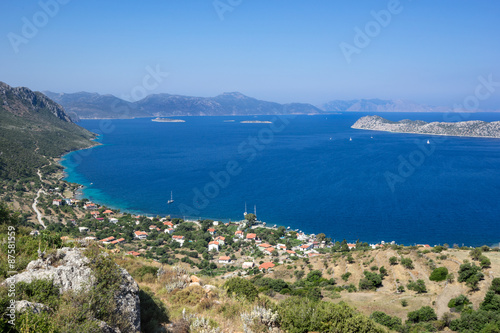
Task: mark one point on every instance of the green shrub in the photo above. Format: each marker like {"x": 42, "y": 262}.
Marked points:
{"x": 418, "y": 286}
{"x": 39, "y": 291}
{"x": 470, "y": 274}
{"x": 439, "y": 274}
{"x": 241, "y": 288}
{"x": 301, "y": 315}
{"x": 346, "y": 276}
{"x": 458, "y": 303}
{"x": 424, "y": 314}
{"x": 371, "y": 281}
{"x": 407, "y": 263}
{"x": 394, "y": 323}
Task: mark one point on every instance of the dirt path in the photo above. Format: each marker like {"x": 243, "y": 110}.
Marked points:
{"x": 451, "y": 290}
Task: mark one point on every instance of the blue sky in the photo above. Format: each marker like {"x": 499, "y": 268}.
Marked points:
{"x": 428, "y": 51}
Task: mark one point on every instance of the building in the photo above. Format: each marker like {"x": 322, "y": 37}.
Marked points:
{"x": 266, "y": 265}
{"x": 83, "y": 229}
{"x": 221, "y": 240}
{"x": 269, "y": 250}
{"x": 57, "y": 202}
{"x": 306, "y": 247}
{"x": 113, "y": 220}
{"x": 213, "y": 245}
{"x": 140, "y": 234}
{"x": 179, "y": 239}
{"x": 108, "y": 211}
{"x": 263, "y": 246}
{"x": 351, "y": 246}
{"x": 107, "y": 240}
{"x": 211, "y": 231}
{"x": 251, "y": 237}
{"x": 90, "y": 206}
{"x": 169, "y": 231}
{"x": 215, "y": 223}
{"x": 247, "y": 264}
{"x": 238, "y": 234}
{"x": 168, "y": 224}
{"x": 224, "y": 260}
{"x": 118, "y": 241}
{"x": 153, "y": 227}
{"x": 133, "y": 253}
{"x": 291, "y": 252}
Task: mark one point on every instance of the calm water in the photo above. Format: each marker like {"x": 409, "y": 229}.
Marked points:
{"x": 301, "y": 172}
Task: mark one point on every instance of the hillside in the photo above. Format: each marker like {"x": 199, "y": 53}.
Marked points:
{"x": 34, "y": 128}
{"x": 379, "y": 105}
{"x": 87, "y": 105}
{"x": 474, "y": 128}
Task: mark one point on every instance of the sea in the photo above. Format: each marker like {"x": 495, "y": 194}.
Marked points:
{"x": 311, "y": 173}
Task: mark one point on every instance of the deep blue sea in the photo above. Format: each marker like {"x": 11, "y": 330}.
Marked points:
{"x": 302, "y": 172}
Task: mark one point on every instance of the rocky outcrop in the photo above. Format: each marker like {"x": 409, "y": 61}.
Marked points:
{"x": 474, "y": 128}
{"x": 23, "y": 306}
{"x": 69, "y": 269}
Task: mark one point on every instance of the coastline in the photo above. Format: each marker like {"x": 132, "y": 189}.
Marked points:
{"x": 432, "y": 134}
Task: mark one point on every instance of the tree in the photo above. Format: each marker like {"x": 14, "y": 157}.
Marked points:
{"x": 393, "y": 260}
{"x": 251, "y": 218}
{"x": 475, "y": 253}
{"x": 407, "y": 263}
{"x": 484, "y": 261}
{"x": 371, "y": 281}
{"x": 241, "y": 287}
{"x": 418, "y": 286}
{"x": 424, "y": 314}
{"x": 458, "y": 303}
{"x": 320, "y": 237}
{"x": 394, "y": 323}
{"x": 470, "y": 274}
{"x": 439, "y": 274}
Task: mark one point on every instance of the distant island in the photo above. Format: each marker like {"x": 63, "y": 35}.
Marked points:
{"x": 473, "y": 128}
{"x": 168, "y": 120}
{"x": 255, "y": 122}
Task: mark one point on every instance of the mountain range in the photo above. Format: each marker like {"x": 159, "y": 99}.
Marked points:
{"x": 32, "y": 128}
{"x": 380, "y": 105}
{"x": 91, "y": 105}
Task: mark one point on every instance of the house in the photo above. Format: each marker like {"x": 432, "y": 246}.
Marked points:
{"x": 133, "y": 253}
{"x": 313, "y": 254}
{"x": 224, "y": 260}
{"x": 113, "y": 220}
{"x": 290, "y": 252}
{"x": 220, "y": 239}
{"x": 179, "y": 239}
{"x": 215, "y": 223}
{"x": 247, "y": 264}
{"x": 266, "y": 265}
{"x": 108, "y": 211}
{"x": 140, "y": 234}
{"x": 34, "y": 233}
{"x": 238, "y": 234}
{"x": 269, "y": 250}
{"x": 153, "y": 227}
{"x": 83, "y": 229}
{"x": 251, "y": 237}
{"x": 94, "y": 213}
{"x": 107, "y": 240}
{"x": 90, "y": 238}
{"x": 281, "y": 247}
{"x": 263, "y": 246}
{"x": 169, "y": 231}
{"x": 306, "y": 247}
{"x": 211, "y": 231}
{"x": 117, "y": 241}
{"x": 89, "y": 206}
{"x": 57, "y": 202}
{"x": 213, "y": 245}
{"x": 351, "y": 246}
{"x": 168, "y": 224}
{"x": 68, "y": 202}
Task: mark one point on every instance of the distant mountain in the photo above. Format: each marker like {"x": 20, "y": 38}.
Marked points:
{"x": 379, "y": 105}
{"x": 474, "y": 128}
{"x": 88, "y": 105}
{"x": 32, "y": 128}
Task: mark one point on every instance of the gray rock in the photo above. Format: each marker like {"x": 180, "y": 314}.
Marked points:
{"x": 22, "y": 306}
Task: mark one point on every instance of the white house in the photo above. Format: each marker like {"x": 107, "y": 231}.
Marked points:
{"x": 57, "y": 202}
{"x": 211, "y": 231}
{"x": 83, "y": 229}
{"x": 224, "y": 260}
{"x": 213, "y": 245}
{"x": 169, "y": 231}
{"x": 215, "y": 223}
{"x": 178, "y": 239}
{"x": 113, "y": 220}
{"x": 247, "y": 264}
{"x": 238, "y": 234}
{"x": 140, "y": 234}
{"x": 220, "y": 239}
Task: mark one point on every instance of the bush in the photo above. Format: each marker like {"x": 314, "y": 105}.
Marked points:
{"x": 393, "y": 260}
{"x": 394, "y": 323}
{"x": 439, "y": 274}
{"x": 346, "y": 276}
{"x": 301, "y": 315}
{"x": 371, "y": 281}
{"x": 267, "y": 283}
{"x": 241, "y": 288}
{"x": 424, "y": 314}
{"x": 418, "y": 286}
{"x": 470, "y": 274}
{"x": 458, "y": 303}
{"x": 475, "y": 253}
{"x": 484, "y": 261}
{"x": 39, "y": 291}
{"x": 407, "y": 263}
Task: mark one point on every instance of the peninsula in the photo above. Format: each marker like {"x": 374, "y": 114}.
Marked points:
{"x": 255, "y": 122}
{"x": 473, "y": 128}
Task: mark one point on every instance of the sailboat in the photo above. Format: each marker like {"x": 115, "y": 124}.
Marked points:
{"x": 171, "y": 198}
{"x": 350, "y": 139}
{"x": 428, "y": 142}
{"x": 245, "y": 213}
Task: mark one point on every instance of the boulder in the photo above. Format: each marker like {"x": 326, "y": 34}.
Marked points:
{"x": 194, "y": 278}
{"x": 22, "y": 306}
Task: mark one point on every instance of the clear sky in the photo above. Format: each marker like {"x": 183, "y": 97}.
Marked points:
{"x": 426, "y": 51}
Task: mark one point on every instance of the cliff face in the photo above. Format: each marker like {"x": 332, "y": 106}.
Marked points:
{"x": 69, "y": 270}
{"x": 474, "y": 128}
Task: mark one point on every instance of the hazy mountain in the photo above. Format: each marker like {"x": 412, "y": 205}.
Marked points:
{"x": 91, "y": 105}
{"x": 379, "y": 105}
{"x": 33, "y": 127}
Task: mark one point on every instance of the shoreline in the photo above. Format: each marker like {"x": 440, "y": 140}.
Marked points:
{"x": 432, "y": 134}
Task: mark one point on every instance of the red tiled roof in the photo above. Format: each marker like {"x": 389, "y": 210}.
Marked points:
{"x": 220, "y": 237}
{"x": 107, "y": 239}
{"x": 290, "y": 251}
{"x": 265, "y": 245}
{"x": 250, "y": 236}
{"x": 139, "y": 233}
{"x": 224, "y": 258}
{"x": 266, "y": 265}
{"x": 133, "y": 253}
{"x": 270, "y": 249}
{"x": 211, "y": 230}
{"x": 178, "y": 237}
{"x": 238, "y": 232}
{"x": 168, "y": 223}
{"x": 213, "y": 242}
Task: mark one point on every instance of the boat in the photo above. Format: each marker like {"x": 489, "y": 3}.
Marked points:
{"x": 171, "y": 198}
{"x": 372, "y": 137}
{"x": 428, "y": 142}
{"x": 245, "y": 212}
{"x": 350, "y": 139}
